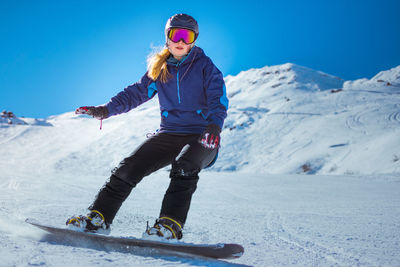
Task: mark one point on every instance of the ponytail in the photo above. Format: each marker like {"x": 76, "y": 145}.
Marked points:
{"x": 157, "y": 66}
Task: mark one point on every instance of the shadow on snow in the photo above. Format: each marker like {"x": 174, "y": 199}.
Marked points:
{"x": 138, "y": 251}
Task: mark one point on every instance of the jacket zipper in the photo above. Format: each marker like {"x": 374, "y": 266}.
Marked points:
{"x": 177, "y": 74}
{"x": 177, "y": 83}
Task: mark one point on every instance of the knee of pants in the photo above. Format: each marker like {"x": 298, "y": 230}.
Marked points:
{"x": 131, "y": 174}
{"x": 118, "y": 186}
{"x": 182, "y": 168}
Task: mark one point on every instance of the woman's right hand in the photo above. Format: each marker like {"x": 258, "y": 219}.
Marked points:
{"x": 99, "y": 112}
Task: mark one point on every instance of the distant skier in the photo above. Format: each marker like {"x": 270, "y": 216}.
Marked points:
{"x": 193, "y": 106}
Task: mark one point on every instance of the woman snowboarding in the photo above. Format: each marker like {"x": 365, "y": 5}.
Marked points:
{"x": 193, "y": 106}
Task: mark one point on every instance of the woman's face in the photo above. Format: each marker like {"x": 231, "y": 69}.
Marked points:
{"x": 179, "y": 49}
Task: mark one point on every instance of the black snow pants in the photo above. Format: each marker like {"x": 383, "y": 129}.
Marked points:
{"x": 187, "y": 156}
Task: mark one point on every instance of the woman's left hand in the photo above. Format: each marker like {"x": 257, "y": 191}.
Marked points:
{"x": 210, "y": 138}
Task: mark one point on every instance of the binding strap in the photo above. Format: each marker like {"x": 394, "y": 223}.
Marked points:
{"x": 172, "y": 220}
{"x": 171, "y": 227}
{"x": 99, "y": 213}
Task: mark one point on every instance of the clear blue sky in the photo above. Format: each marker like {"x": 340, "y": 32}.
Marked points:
{"x": 58, "y": 55}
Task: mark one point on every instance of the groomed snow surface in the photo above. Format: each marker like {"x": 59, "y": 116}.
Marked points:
{"x": 308, "y": 175}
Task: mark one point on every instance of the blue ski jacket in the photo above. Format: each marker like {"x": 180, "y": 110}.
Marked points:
{"x": 194, "y": 96}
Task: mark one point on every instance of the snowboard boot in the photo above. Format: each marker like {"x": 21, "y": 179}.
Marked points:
{"x": 164, "y": 228}
{"x": 93, "y": 222}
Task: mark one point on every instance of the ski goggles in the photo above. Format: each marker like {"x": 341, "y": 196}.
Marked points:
{"x": 177, "y": 34}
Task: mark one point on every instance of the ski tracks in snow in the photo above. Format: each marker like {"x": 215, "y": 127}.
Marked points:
{"x": 366, "y": 116}
{"x": 302, "y": 250}
{"x": 394, "y": 117}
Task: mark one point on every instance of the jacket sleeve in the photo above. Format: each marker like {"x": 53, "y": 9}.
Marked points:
{"x": 217, "y": 100}
{"x": 132, "y": 96}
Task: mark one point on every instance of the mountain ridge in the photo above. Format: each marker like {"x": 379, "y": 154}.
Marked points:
{"x": 282, "y": 119}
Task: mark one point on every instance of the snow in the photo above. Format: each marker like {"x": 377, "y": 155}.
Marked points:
{"x": 308, "y": 175}
{"x": 278, "y": 129}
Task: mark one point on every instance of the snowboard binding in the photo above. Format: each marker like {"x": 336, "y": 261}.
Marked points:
{"x": 165, "y": 228}
{"x": 93, "y": 222}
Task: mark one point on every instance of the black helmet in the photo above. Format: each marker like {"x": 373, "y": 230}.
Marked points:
{"x": 182, "y": 21}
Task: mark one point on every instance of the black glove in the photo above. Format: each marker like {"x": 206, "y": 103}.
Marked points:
{"x": 210, "y": 138}
{"x": 99, "y": 112}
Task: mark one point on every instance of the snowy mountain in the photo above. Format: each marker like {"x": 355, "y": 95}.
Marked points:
{"x": 9, "y": 118}
{"x": 290, "y": 119}
{"x": 283, "y": 121}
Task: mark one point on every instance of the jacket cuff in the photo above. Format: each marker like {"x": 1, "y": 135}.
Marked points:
{"x": 111, "y": 110}
{"x": 216, "y": 120}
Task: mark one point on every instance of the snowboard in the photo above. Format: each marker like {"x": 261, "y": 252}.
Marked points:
{"x": 131, "y": 244}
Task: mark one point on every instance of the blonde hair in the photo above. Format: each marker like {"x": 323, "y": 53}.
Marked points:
{"x": 157, "y": 65}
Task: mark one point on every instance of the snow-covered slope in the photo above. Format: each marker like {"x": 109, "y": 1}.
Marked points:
{"x": 283, "y": 121}
{"x": 290, "y": 119}
{"x": 4, "y": 121}
{"x": 281, "y": 220}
